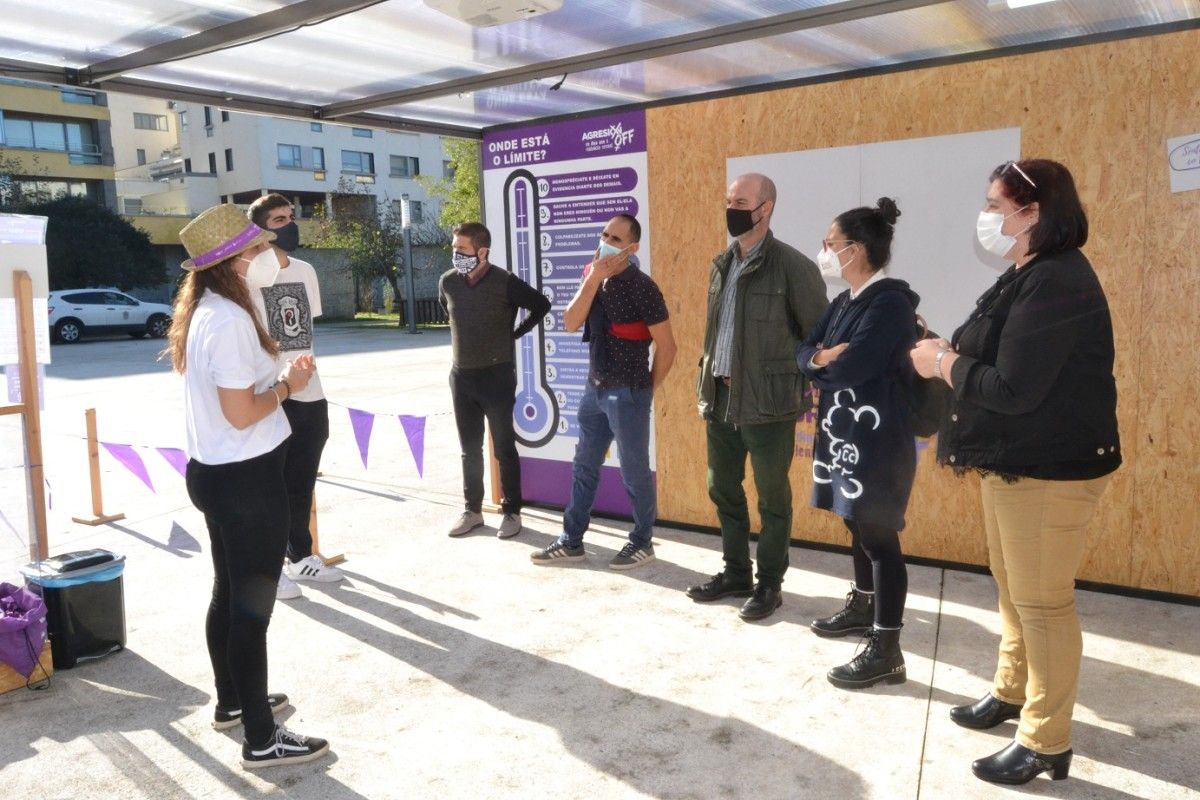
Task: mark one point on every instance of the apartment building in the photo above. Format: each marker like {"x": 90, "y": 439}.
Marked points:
{"x": 149, "y": 161}
{"x": 228, "y": 156}
{"x": 55, "y": 140}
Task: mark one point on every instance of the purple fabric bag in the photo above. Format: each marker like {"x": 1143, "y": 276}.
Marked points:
{"x": 22, "y": 627}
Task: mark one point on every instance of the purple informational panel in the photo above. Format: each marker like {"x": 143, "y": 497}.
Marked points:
{"x": 549, "y": 189}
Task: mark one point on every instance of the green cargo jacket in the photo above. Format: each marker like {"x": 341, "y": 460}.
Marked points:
{"x": 780, "y": 298}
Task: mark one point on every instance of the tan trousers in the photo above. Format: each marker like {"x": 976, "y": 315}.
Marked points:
{"x": 1035, "y": 536}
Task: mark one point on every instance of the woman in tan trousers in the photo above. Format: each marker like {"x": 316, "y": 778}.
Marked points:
{"x": 1034, "y": 412}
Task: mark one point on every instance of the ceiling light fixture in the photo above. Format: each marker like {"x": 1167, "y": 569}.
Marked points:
{"x": 994, "y": 5}
{"x": 485, "y": 13}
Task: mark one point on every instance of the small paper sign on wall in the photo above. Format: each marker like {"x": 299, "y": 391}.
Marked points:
{"x": 1183, "y": 158}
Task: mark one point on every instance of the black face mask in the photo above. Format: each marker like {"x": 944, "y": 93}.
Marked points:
{"x": 287, "y": 238}
{"x": 740, "y": 220}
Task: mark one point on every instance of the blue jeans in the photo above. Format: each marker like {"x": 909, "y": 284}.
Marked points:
{"x": 606, "y": 414}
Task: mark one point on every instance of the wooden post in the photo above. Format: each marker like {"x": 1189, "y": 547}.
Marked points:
{"x": 98, "y": 515}
{"x": 27, "y": 358}
{"x": 316, "y": 540}
{"x": 493, "y": 474}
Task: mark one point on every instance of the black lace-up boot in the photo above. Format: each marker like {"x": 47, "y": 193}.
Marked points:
{"x": 856, "y": 616}
{"x": 880, "y": 660}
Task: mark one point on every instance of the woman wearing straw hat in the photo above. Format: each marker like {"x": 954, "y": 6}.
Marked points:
{"x": 235, "y": 435}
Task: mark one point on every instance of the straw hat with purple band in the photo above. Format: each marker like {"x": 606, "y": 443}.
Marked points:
{"x": 219, "y": 233}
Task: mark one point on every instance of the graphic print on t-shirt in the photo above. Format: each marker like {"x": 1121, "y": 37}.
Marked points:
{"x": 289, "y": 315}
{"x": 845, "y": 454}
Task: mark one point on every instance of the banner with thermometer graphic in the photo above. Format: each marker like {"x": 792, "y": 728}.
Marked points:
{"x": 549, "y": 189}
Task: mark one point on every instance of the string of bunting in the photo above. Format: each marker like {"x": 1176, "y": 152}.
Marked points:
{"x": 362, "y": 423}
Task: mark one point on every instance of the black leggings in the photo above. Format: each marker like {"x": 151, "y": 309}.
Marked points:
{"x": 879, "y": 568}
{"x": 245, "y": 506}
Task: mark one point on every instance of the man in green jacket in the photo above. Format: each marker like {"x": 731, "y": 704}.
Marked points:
{"x": 764, "y": 298}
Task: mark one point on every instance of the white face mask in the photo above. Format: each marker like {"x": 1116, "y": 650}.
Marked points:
{"x": 988, "y": 231}
{"x": 262, "y": 270}
{"x": 828, "y": 263}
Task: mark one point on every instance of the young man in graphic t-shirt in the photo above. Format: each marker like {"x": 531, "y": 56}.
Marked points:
{"x": 288, "y": 308}
{"x": 623, "y": 313}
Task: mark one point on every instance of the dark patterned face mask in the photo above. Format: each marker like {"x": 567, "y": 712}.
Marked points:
{"x": 465, "y": 263}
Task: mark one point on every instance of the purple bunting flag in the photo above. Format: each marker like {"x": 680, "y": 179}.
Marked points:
{"x": 176, "y": 458}
{"x": 362, "y": 422}
{"x": 414, "y": 431}
{"x": 132, "y": 461}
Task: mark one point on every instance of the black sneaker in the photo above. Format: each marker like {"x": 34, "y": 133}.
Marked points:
{"x": 227, "y": 718}
{"x": 285, "y": 747}
{"x": 631, "y": 556}
{"x": 557, "y": 553}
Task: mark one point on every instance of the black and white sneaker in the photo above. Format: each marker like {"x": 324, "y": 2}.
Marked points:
{"x": 557, "y": 553}
{"x": 632, "y": 555}
{"x": 227, "y": 718}
{"x": 285, "y": 747}
{"x": 314, "y": 569}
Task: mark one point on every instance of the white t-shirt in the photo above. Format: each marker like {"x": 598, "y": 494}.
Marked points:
{"x": 223, "y": 352}
{"x": 287, "y": 309}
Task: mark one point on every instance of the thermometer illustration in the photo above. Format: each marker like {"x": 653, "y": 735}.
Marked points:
{"x": 537, "y": 411}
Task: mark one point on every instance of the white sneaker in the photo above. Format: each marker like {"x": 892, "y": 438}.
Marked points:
{"x": 287, "y": 588}
{"x": 314, "y": 569}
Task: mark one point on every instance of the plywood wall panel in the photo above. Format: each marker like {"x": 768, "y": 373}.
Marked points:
{"x": 1165, "y": 336}
{"x": 1104, "y": 110}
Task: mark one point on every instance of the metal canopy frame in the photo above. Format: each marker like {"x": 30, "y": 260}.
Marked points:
{"x": 845, "y": 11}
{"x": 119, "y": 74}
{"x": 233, "y": 34}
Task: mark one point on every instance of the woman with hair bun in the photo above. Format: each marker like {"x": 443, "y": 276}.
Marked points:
{"x": 864, "y": 457}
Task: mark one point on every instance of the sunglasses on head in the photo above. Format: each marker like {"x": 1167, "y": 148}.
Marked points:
{"x": 1019, "y": 171}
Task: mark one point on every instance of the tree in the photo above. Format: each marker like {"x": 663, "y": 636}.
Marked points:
{"x": 12, "y": 186}
{"x": 460, "y": 193}
{"x": 89, "y": 245}
{"x": 373, "y": 238}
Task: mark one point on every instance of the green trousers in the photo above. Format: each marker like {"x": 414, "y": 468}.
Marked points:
{"x": 771, "y": 447}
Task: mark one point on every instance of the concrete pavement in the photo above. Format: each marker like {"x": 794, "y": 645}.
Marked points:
{"x": 454, "y": 668}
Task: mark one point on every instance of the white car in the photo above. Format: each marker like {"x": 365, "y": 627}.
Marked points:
{"x": 75, "y": 313}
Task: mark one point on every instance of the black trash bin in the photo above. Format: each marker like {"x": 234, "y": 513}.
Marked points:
{"x": 85, "y": 603}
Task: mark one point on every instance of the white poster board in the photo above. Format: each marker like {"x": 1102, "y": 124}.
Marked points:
{"x": 939, "y": 184}
{"x": 22, "y": 247}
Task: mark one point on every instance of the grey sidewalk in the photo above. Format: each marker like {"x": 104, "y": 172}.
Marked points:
{"x": 454, "y": 668}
